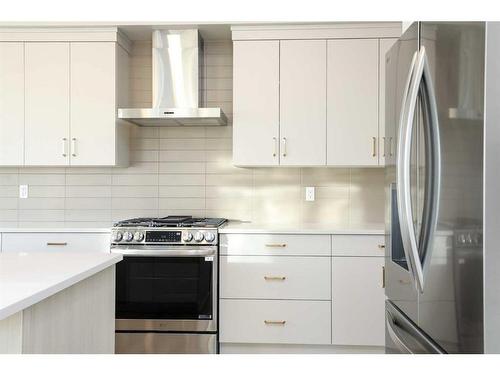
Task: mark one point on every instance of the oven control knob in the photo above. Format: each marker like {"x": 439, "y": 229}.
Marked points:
{"x": 127, "y": 236}
{"x": 138, "y": 236}
{"x": 187, "y": 237}
{"x": 198, "y": 236}
{"x": 209, "y": 236}
{"x": 117, "y": 236}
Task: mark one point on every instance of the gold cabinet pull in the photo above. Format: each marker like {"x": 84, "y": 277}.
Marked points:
{"x": 374, "y": 146}
{"x": 275, "y": 322}
{"x": 275, "y": 244}
{"x": 57, "y": 243}
{"x": 381, "y": 246}
{"x": 390, "y": 146}
{"x": 383, "y": 142}
{"x": 404, "y": 282}
{"x": 275, "y": 146}
{"x": 383, "y": 276}
{"x": 284, "y": 147}
{"x": 275, "y": 278}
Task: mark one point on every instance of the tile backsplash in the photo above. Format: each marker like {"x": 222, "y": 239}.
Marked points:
{"x": 188, "y": 170}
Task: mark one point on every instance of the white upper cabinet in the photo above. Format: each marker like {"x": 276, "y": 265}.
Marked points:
{"x": 353, "y": 102}
{"x": 47, "y": 104}
{"x": 93, "y": 106}
{"x": 386, "y": 143}
{"x": 328, "y": 83}
{"x": 256, "y": 103}
{"x": 302, "y": 102}
{"x": 11, "y": 103}
{"x": 59, "y": 98}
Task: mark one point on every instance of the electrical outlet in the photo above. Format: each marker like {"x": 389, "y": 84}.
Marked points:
{"x": 310, "y": 193}
{"x": 23, "y": 191}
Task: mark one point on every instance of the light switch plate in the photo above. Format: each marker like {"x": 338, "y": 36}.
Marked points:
{"x": 23, "y": 191}
{"x": 310, "y": 193}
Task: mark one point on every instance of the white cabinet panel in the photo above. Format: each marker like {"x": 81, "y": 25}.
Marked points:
{"x": 256, "y": 103}
{"x": 358, "y": 301}
{"x": 386, "y": 145}
{"x": 72, "y": 242}
{"x": 47, "y": 103}
{"x": 93, "y": 108}
{"x": 269, "y": 277}
{"x": 356, "y": 245}
{"x": 278, "y": 322}
{"x": 11, "y": 103}
{"x": 303, "y": 102}
{"x": 352, "y": 104}
{"x": 275, "y": 244}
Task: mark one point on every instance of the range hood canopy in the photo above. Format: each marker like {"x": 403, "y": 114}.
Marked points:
{"x": 177, "y": 85}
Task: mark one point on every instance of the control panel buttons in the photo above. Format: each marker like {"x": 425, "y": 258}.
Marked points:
{"x": 138, "y": 236}
{"x": 209, "y": 237}
{"x": 127, "y": 236}
{"x": 187, "y": 237}
{"x": 199, "y": 236}
{"x": 117, "y": 236}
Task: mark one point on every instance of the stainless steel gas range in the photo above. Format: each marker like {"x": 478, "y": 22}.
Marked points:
{"x": 166, "y": 285}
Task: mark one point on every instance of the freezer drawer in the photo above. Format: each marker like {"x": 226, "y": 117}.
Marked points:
{"x": 403, "y": 337}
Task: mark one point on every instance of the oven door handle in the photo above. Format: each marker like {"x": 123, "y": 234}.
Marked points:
{"x": 135, "y": 252}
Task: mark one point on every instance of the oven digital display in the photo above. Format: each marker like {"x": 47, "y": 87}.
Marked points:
{"x": 164, "y": 236}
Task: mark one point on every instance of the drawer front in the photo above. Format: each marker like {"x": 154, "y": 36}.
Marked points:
{"x": 275, "y": 244}
{"x": 77, "y": 242}
{"x": 275, "y": 322}
{"x": 358, "y": 245}
{"x": 275, "y": 277}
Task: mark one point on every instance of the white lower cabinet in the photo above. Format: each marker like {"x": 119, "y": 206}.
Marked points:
{"x": 275, "y": 322}
{"x": 55, "y": 241}
{"x": 275, "y": 277}
{"x": 295, "y": 292}
{"x": 358, "y": 307}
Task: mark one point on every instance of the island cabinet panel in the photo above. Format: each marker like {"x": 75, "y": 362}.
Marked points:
{"x": 256, "y": 102}
{"x": 11, "y": 104}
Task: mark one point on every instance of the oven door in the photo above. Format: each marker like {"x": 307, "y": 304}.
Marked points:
{"x": 171, "y": 290}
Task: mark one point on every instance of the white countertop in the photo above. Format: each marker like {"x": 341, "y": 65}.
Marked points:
{"x": 28, "y": 278}
{"x": 55, "y": 230}
{"x": 255, "y": 228}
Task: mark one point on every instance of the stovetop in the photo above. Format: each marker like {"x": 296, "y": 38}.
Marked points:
{"x": 171, "y": 222}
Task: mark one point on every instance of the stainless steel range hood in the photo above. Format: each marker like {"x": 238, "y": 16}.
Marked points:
{"x": 177, "y": 84}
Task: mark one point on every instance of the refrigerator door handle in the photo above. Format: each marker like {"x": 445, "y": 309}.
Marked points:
{"x": 403, "y": 158}
{"x": 421, "y": 82}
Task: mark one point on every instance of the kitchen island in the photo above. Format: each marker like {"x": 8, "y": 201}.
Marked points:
{"x": 57, "y": 302}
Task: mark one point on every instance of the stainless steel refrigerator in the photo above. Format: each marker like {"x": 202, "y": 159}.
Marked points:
{"x": 443, "y": 188}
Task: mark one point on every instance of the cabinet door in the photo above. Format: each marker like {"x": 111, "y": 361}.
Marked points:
{"x": 358, "y": 301}
{"x": 303, "y": 102}
{"x": 353, "y": 102}
{"x": 11, "y": 104}
{"x": 256, "y": 103}
{"x": 93, "y": 109}
{"x": 47, "y": 103}
{"x": 386, "y": 144}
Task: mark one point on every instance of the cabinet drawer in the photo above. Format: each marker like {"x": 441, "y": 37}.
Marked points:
{"x": 275, "y": 322}
{"x": 274, "y": 244}
{"x": 77, "y": 242}
{"x": 358, "y": 245}
{"x": 275, "y": 277}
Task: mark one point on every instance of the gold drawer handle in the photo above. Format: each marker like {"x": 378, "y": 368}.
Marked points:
{"x": 271, "y": 278}
{"x": 404, "y": 282}
{"x": 275, "y": 322}
{"x": 57, "y": 243}
{"x": 381, "y": 246}
{"x": 275, "y": 244}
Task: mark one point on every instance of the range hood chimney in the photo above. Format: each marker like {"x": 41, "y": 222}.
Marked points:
{"x": 177, "y": 84}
